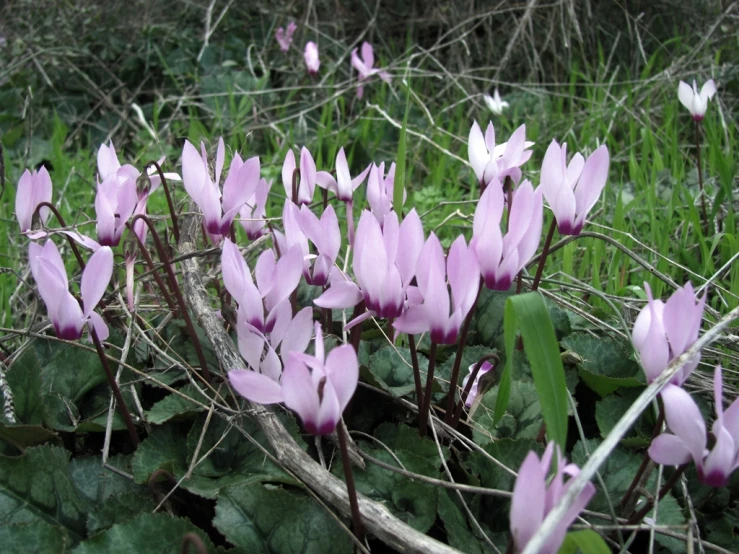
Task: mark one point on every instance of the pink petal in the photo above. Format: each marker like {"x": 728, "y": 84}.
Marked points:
{"x": 477, "y": 151}
{"x": 255, "y": 387}
{"x": 298, "y": 334}
{"x": 527, "y": 506}
{"x": 413, "y": 321}
{"x": 368, "y": 55}
{"x": 234, "y": 269}
{"x": 591, "y": 183}
{"x": 685, "y": 420}
{"x": 339, "y": 296}
{"x": 95, "y": 278}
{"x": 410, "y": 243}
{"x": 342, "y": 368}
{"x": 299, "y": 393}
{"x": 194, "y": 174}
{"x": 288, "y": 169}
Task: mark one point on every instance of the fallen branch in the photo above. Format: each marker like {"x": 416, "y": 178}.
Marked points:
{"x": 378, "y": 519}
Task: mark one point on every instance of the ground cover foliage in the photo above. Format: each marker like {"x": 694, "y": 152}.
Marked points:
{"x": 206, "y": 475}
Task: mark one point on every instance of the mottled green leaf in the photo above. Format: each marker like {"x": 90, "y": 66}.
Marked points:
{"x": 586, "y": 541}
{"x": 393, "y": 373}
{"x": 610, "y": 409}
{"x": 523, "y": 418}
{"x": 35, "y": 537}
{"x": 403, "y": 437}
{"x": 273, "y": 520}
{"x": 22, "y": 436}
{"x": 164, "y": 449}
{"x": 38, "y": 487}
{"x": 605, "y": 364}
{"x": 174, "y": 406}
{"x": 119, "y": 508}
{"x": 458, "y": 532}
{"x": 147, "y": 534}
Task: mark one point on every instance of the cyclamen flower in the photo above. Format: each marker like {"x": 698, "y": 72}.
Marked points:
{"x": 533, "y": 498}
{"x": 275, "y": 281}
{"x": 312, "y": 61}
{"x": 384, "y": 264}
{"x": 253, "y": 211}
{"x": 664, "y": 330}
{"x": 343, "y": 186}
{"x": 572, "y": 190}
{"x": 293, "y": 236}
{"x": 318, "y": 388}
{"x": 306, "y": 177}
{"x": 325, "y": 235}
{"x": 688, "y": 437}
{"x": 33, "y": 188}
{"x": 285, "y": 37}
{"x": 432, "y": 271}
{"x": 240, "y": 185}
{"x": 109, "y": 164}
{"x": 490, "y": 161}
{"x": 474, "y": 390}
{"x": 115, "y": 202}
{"x": 502, "y": 257}
{"x": 495, "y": 103}
{"x": 364, "y": 65}
{"x": 64, "y": 311}
{"x": 380, "y": 191}
{"x": 696, "y": 102}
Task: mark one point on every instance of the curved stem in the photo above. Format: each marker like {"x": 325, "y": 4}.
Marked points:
{"x": 59, "y": 218}
{"x": 191, "y": 539}
{"x": 424, "y": 413}
{"x": 177, "y": 292}
{"x": 122, "y": 408}
{"x": 154, "y": 273}
{"x": 544, "y": 254}
{"x": 350, "y": 222}
{"x": 357, "y": 526}
{"x": 170, "y": 203}
{"x": 645, "y": 461}
{"x": 638, "y": 516}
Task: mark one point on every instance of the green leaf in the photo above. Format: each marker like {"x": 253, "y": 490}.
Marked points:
{"x": 174, "y": 406}
{"x": 529, "y": 313}
{"x": 411, "y": 501}
{"x": 37, "y": 536}
{"x": 488, "y": 321}
{"x": 522, "y": 420}
{"x": 24, "y": 379}
{"x": 604, "y": 363}
{"x": 38, "y": 487}
{"x": 119, "y": 508}
{"x": 586, "y": 541}
{"x": 162, "y": 449}
{"x": 669, "y": 512}
{"x": 403, "y": 437}
{"x": 147, "y": 534}
{"x": 458, "y": 532}
{"x": 232, "y": 458}
{"x": 22, "y": 436}
{"x": 271, "y": 519}
{"x": 393, "y": 371}
{"x": 97, "y": 483}
{"x": 610, "y": 409}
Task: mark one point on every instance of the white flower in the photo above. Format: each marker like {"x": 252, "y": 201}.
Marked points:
{"x": 695, "y": 101}
{"x": 495, "y": 103}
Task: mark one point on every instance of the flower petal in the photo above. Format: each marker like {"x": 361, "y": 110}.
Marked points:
{"x": 255, "y": 387}
{"x": 95, "y": 278}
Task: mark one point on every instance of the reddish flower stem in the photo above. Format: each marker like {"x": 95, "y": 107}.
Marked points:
{"x": 191, "y": 539}
{"x": 544, "y": 254}
{"x": 351, "y": 489}
{"x": 470, "y": 383}
{"x": 458, "y": 361}
{"x": 154, "y": 273}
{"x": 170, "y": 203}
{"x": 424, "y": 414}
{"x": 700, "y": 172}
{"x": 638, "y": 516}
{"x": 416, "y": 370}
{"x": 178, "y": 294}
{"x": 120, "y": 403}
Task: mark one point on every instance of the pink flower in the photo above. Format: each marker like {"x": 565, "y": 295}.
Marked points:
{"x": 325, "y": 235}
{"x": 696, "y": 102}
{"x": 115, "y": 202}
{"x": 312, "y": 62}
{"x": 432, "y": 272}
{"x": 572, "y": 190}
{"x": 364, "y": 65}
{"x": 384, "y": 264}
{"x": 218, "y": 210}
{"x": 33, "y": 188}
{"x": 285, "y": 37}
{"x": 533, "y": 498}
{"x": 489, "y": 161}
{"x": 64, "y": 311}
{"x": 688, "y": 437}
{"x": 380, "y": 191}
{"x": 253, "y": 211}
{"x": 318, "y": 388}
{"x": 502, "y": 257}
{"x": 663, "y": 331}
{"x": 484, "y": 368}
{"x": 343, "y": 186}
{"x": 306, "y": 177}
